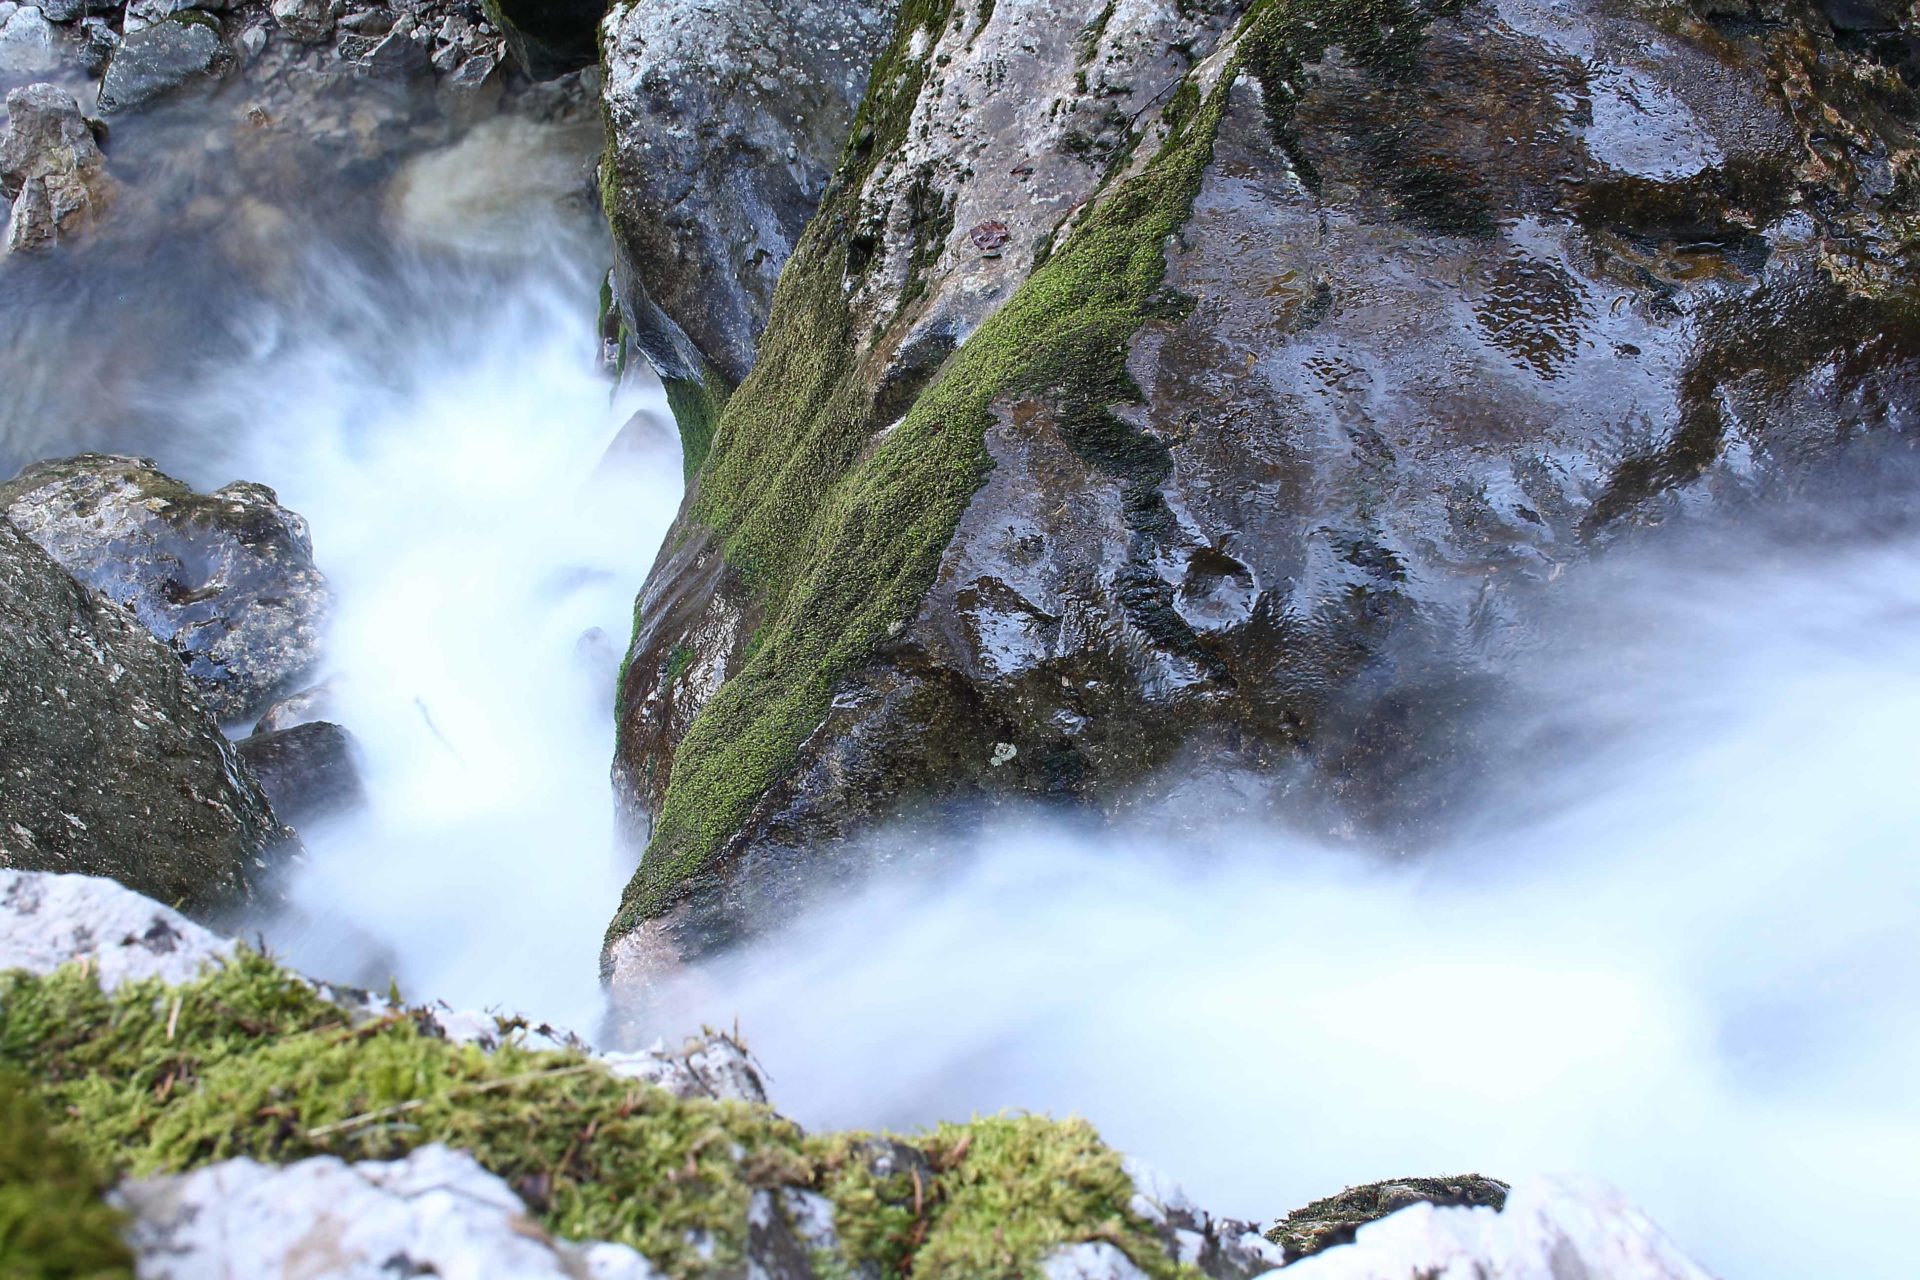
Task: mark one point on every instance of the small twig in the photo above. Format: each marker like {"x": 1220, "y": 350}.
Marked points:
{"x": 173, "y": 1019}
{"x": 414, "y": 1104}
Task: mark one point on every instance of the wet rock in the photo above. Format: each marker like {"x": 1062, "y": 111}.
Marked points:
{"x": 1550, "y": 1229}
{"x": 98, "y": 40}
{"x": 171, "y": 56}
{"x": 109, "y": 762}
{"x": 1336, "y": 1219}
{"x": 29, "y": 45}
{"x": 309, "y": 772}
{"x": 725, "y": 122}
{"x": 51, "y": 168}
{"x": 549, "y": 37}
{"x": 402, "y": 54}
{"x": 1459, "y": 300}
{"x": 434, "y": 1213}
{"x": 300, "y": 708}
{"x": 227, "y": 579}
{"x": 308, "y": 21}
{"x": 47, "y": 921}
{"x": 65, "y": 10}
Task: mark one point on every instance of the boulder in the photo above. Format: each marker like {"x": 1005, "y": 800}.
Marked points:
{"x": 227, "y": 579}
{"x": 51, "y": 168}
{"x": 109, "y": 762}
{"x": 725, "y": 122}
{"x": 310, "y": 772}
{"x": 1157, "y": 394}
{"x": 1337, "y": 1219}
{"x": 175, "y": 54}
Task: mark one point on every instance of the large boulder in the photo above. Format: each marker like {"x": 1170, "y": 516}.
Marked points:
{"x": 725, "y": 122}
{"x": 1148, "y": 396}
{"x": 109, "y": 762}
{"x": 227, "y": 578}
{"x": 51, "y": 168}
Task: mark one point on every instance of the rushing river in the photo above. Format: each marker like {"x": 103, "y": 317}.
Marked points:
{"x": 1675, "y": 945}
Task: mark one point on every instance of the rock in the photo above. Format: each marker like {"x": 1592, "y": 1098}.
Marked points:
{"x": 227, "y": 579}
{"x": 309, "y": 21}
{"x": 144, "y": 13}
{"x": 402, "y": 54}
{"x": 1222, "y": 1248}
{"x": 98, "y": 41}
{"x": 47, "y": 921}
{"x": 1429, "y": 306}
{"x": 172, "y": 55}
{"x": 725, "y": 121}
{"x": 436, "y": 1212}
{"x": 51, "y": 168}
{"x": 29, "y": 45}
{"x": 1096, "y": 1261}
{"x": 1550, "y": 1229}
{"x": 299, "y": 708}
{"x": 1334, "y": 1220}
{"x": 109, "y": 762}
{"x": 63, "y": 10}
{"x": 309, "y": 772}
{"x": 710, "y": 1066}
{"x": 548, "y": 38}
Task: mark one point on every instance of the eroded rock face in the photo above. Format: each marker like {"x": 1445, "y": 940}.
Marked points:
{"x": 51, "y": 168}
{"x": 726, "y": 121}
{"x": 109, "y": 762}
{"x": 1460, "y": 298}
{"x": 226, "y": 579}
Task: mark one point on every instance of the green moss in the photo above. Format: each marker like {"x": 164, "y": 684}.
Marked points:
{"x": 53, "y": 1223}
{"x": 840, "y": 535}
{"x": 696, "y": 407}
{"x": 249, "y": 1060}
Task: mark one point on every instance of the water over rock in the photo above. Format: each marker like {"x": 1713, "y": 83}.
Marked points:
{"x": 1146, "y": 397}
{"x": 226, "y": 579}
{"x": 109, "y": 761}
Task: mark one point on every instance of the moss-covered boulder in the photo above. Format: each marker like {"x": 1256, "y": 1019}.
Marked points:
{"x": 1214, "y": 387}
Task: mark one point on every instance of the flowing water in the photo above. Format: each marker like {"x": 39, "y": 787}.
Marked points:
{"x": 1675, "y": 945}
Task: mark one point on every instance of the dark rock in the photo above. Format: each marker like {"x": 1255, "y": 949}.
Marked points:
{"x": 400, "y": 55}
{"x": 309, "y": 772}
{"x": 308, "y": 21}
{"x": 300, "y": 708}
{"x": 1335, "y": 1220}
{"x": 99, "y": 40}
{"x": 109, "y": 762}
{"x": 549, "y": 38}
{"x": 175, "y": 54}
{"x": 51, "y": 168}
{"x": 65, "y": 10}
{"x": 227, "y": 578}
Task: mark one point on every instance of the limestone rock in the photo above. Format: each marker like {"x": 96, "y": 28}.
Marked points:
{"x": 109, "y": 762}
{"x": 47, "y": 921}
{"x": 309, "y": 772}
{"x": 1550, "y": 1229}
{"x": 168, "y": 57}
{"x": 725, "y": 121}
{"x": 436, "y": 1212}
{"x": 51, "y": 168}
{"x": 227, "y": 579}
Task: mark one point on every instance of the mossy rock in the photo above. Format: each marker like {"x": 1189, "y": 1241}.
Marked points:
{"x": 1336, "y": 1219}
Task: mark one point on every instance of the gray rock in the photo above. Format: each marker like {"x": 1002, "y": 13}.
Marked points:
{"x": 109, "y": 762}
{"x": 402, "y": 54}
{"x": 227, "y": 579}
{"x": 98, "y": 40}
{"x": 141, "y": 14}
{"x": 310, "y": 21}
{"x": 51, "y": 168}
{"x": 712, "y": 1065}
{"x": 310, "y": 772}
{"x": 1095, "y": 1261}
{"x": 548, "y": 38}
{"x": 47, "y": 921}
{"x": 436, "y": 1212}
{"x": 29, "y": 45}
{"x": 66, "y": 10}
{"x": 175, "y": 54}
{"x": 726, "y": 121}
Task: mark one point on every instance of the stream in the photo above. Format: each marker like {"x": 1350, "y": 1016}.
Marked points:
{"x": 1673, "y": 944}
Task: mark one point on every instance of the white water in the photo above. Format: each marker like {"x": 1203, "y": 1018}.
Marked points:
{"x": 1686, "y": 963}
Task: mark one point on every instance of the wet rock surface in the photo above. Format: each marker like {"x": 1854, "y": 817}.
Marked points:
{"x": 51, "y": 168}
{"x": 226, "y": 579}
{"x": 1337, "y": 1219}
{"x": 310, "y": 772}
{"x": 171, "y": 56}
{"x": 109, "y": 761}
{"x": 726, "y": 121}
{"x": 1450, "y": 312}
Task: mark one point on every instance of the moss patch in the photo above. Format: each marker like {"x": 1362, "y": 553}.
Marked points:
{"x": 53, "y": 1224}
{"x": 839, "y": 536}
{"x": 249, "y": 1060}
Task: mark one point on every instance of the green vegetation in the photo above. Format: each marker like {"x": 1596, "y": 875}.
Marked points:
{"x": 250, "y": 1060}
{"x": 53, "y": 1224}
{"x": 839, "y": 534}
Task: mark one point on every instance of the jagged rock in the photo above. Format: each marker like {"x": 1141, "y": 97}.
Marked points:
{"x": 1551, "y": 1229}
{"x": 309, "y": 21}
{"x": 1450, "y": 301}
{"x": 309, "y": 772}
{"x": 548, "y": 38}
{"x": 436, "y": 1212}
{"x": 227, "y": 579}
{"x": 29, "y": 45}
{"x": 50, "y": 168}
{"x": 109, "y": 762}
{"x": 710, "y": 1066}
{"x": 47, "y": 921}
{"x": 1334, "y": 1220}
{"x": 725, "y": 122}
{"x": 170, "y": 56}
